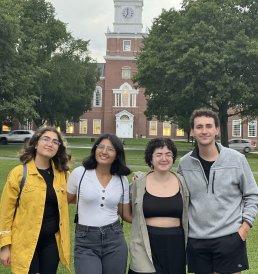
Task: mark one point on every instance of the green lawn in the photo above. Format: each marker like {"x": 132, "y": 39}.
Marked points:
{"x": 131, "y": 155}
{"x": 130, "y": 142}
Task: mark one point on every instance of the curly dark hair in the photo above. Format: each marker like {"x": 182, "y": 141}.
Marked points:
{"x": 62, "y": 157}
{"x": 159, "y": 143}
{"x": 118, "y": 166}
{"x": 204, "y": 112}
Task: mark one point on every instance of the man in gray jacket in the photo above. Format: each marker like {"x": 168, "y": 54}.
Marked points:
{"x": 223, "y": 200}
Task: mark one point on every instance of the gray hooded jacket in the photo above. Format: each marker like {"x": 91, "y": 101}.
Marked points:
{"x": 218, "y": 206}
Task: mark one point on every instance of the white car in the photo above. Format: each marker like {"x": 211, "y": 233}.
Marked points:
{"x": 243, "y": 145}
{"x": 16, "y": 136}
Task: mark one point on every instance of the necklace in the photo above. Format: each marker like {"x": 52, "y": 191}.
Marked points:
{"x": 48, "y": 170}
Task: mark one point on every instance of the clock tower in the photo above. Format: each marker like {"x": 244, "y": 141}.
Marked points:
{"x": 123, "y": 104}
{"x": 128, "y": 16}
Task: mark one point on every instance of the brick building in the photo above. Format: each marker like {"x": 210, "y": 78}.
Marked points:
{"x": 116, "y": 106}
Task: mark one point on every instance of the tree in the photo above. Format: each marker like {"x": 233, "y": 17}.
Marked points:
{"x": 16, "y": 76}
{"x": 66, "y": 91}
{"x": 204, "y": 54}
{"x": 45, "y": 74}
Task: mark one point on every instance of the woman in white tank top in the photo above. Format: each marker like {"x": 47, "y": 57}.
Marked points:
{"x": 102, "y": 191}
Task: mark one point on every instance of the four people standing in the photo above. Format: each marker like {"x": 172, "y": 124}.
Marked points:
{"x": 222, "y": 207}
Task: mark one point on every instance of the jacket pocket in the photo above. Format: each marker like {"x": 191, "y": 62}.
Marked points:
{"x": 28, "y": 188}
{"x": 27, "y": 195}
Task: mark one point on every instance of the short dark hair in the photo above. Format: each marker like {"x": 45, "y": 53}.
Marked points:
{"x": 159, "y": 143}
{"x": 62, "y": 157}
{"x": 118, "y": 166}
{"x": 204, "y": 112}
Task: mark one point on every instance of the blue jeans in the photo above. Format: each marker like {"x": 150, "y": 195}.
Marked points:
{"x": 100, "y": 250}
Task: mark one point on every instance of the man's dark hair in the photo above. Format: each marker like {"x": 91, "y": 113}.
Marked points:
{"x": 118, "y": 166}
{"x": 159, "y": 143}
{"x": 204, "y": 112}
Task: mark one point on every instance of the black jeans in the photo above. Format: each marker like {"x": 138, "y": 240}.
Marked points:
{"x": 46, "y": 256}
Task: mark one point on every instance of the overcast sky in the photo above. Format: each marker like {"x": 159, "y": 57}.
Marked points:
{"x": 89, "y": 19}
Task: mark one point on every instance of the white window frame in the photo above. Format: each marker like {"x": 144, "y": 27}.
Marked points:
{"x": 98, "y": 88}
{"x": 169, "y": 128}
{"x": 156, "y": 128}
{"x": 255, "y": 128}
{"x": 116, "y": 99}
{"x": 86, "y": 126}
{"x": 27, "y": 126}
{"x": 124, "y": 45}
{"x": 99, "y": 125}
{"x": 70, "y": 124}
{"x": 179, "y": 129}
{"x": 240, "y": 127}
{"x": 134, "y": 97}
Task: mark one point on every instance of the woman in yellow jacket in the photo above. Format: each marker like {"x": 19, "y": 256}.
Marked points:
{"x": 37, "y": 236}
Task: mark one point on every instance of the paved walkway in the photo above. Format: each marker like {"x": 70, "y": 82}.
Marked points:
{"x": 79, "y": 163}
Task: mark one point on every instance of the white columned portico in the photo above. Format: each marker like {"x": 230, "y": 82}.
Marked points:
{"x": 124, "y": 124}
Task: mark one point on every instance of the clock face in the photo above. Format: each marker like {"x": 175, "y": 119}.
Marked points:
{"x": 128, "y": 13}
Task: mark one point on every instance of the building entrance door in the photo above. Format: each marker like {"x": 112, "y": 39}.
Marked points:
{"x": 124, "y": 124}
{"x": 125, "y": 130}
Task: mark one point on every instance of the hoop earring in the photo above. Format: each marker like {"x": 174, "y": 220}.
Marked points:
{"x": 152, "y": 167}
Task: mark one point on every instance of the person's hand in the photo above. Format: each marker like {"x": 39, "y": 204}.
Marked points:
{"x": 134, "y": 178}
{"x": 243, "y": 234}
{"x": 5, "y": 255}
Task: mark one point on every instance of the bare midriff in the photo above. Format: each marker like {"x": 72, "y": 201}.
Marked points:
{"x": 163, "y": 222}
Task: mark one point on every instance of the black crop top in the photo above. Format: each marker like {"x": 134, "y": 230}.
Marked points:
{"x": 154, "y": 206}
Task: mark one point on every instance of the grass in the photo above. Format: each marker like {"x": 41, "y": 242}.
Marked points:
{"x": 129, "y": 142}
{"x": 10, "y": 150}
{"x": 133, "y": 157}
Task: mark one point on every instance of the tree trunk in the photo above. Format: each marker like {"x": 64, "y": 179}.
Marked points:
{"x": 188, "y": 137}
{"x": 223, "y": 118}
{"x": 1, "y": 126}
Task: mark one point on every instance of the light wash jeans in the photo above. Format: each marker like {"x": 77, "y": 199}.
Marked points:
{"x": 100, "y": 250}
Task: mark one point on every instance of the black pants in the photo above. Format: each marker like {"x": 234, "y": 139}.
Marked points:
{"x": 46, "y": 256}
{"x": 168, "y": 250}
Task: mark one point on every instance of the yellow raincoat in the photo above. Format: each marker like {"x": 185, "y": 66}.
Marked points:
{"x": 22, "y": 233}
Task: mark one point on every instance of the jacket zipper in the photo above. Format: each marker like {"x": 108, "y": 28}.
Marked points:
{"x": 207, "y": 181}
{"x": 213, "y": 182}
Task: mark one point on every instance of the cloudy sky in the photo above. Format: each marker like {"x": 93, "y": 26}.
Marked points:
{"x": 89, "y": 19}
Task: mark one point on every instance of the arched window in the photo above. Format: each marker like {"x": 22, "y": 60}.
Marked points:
{"x": 124, "y": 117}
{"x": 97, "y": 102}
{"x": 125, "y": 97}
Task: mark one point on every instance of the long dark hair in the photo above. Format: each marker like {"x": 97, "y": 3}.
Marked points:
{"x": 118, "y": 166}
{"x": 62, "y": 157}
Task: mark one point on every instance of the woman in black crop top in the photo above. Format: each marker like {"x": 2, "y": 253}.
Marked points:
{"x": 160, "y": 196}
